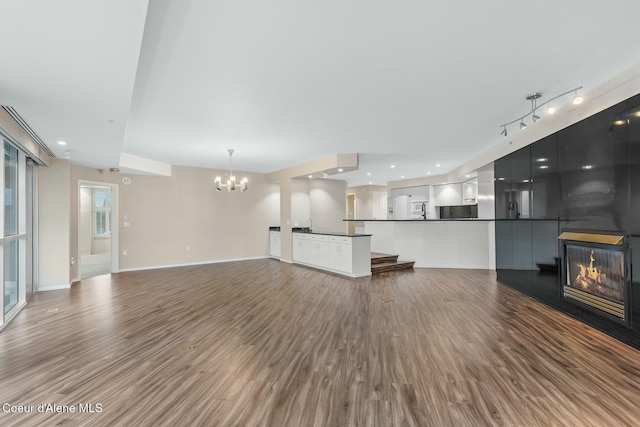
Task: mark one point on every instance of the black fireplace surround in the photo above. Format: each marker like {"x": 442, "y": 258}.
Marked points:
{"x": 586, "y": 179}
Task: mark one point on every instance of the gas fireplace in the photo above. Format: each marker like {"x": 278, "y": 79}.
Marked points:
{"x": 594, "y": 273}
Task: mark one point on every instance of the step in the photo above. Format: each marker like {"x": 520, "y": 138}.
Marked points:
{"x": 391, "y": 266}
{"x": 377, "y": 258}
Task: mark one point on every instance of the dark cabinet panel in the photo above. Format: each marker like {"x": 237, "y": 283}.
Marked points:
{"x": 513, "y": 185}
{"x": 544, "y": 177}
{"x": 593, "y": 169}
{"x": 502, "y": 180}
{"x": 521, "y": 182}
{"x": 504, "y": 245}
{"x": 522, "y": 245}
{"x": 632, "y": 219}
{"x": 545, "y": 241}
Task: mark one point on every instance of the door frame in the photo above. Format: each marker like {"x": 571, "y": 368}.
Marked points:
{"x": 115, "y": 264}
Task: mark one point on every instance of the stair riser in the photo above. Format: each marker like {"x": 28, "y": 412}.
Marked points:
{"x": 381, "y": 260}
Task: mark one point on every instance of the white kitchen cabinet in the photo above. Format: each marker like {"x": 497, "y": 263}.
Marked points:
{"x": 348, "y": 255}
{"x": 319, "y": 250}
{"x": 301, "y": 247}
{"x": 274, "y": 244}
{"x": 340, "y": 253}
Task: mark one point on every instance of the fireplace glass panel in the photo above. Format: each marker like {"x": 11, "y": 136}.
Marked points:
{"x": 597, "y": 271}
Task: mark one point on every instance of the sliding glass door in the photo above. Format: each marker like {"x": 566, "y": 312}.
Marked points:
{"x": 14, "y": 235}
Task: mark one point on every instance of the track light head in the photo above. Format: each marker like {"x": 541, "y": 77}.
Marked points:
{"x": 523, "y": 124}
{"x": 504, "y": 131}
{"x": 535, "y": 118}
{"x": 577, "y": 99}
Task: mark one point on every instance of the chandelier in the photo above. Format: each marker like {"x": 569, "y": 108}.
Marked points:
{"x": 231, "y": 184}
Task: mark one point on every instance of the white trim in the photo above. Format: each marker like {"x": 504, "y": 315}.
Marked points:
{"x": 189, "y": 264}
{"x": 288, "y": 261}
{"x": 55, "y": 287}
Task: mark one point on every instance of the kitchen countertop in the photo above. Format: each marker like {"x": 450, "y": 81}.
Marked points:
{"x": 421, "y": 220}
{"x": 306, "y": 230}
{"x": 334, "y": 233}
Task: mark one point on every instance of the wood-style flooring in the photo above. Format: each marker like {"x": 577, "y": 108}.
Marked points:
{"x": 265, "y": 343}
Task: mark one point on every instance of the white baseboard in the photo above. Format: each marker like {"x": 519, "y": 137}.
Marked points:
{"x": 54, "y": 288}
{"x": 189, "y": 264}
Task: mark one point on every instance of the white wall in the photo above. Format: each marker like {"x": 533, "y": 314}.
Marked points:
{"x": 436, "y": 244}
{"x": 448, "y": 194}
{"x": 300, "y": 202}
{"x": 364, "y": 200}
{"x": 486, "y": 193}
{"x": 54, "y": 224}
{"x": 327, "y": 199}
{"x": 167, "y": 215}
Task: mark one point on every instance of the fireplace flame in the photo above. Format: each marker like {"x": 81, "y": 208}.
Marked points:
{"x": 589, "y": 276}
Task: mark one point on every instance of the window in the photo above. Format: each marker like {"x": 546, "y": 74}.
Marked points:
{"x": 101, "y": 209}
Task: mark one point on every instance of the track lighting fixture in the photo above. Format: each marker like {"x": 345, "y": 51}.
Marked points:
{"x": 533, "y": 97}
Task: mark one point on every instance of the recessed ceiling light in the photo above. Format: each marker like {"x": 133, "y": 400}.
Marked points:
{"x": 401, "y": 176}
{"x": 368, "y": 173}
{"x": 310, "y": 176}
{"x": 393, "y": 166}
{"x": 466, "y": 176}
{"x": 637, "y": 114}
{"x": 438, "y": 165}
{"x": 62, "y": 143}
{"x": 370, "y": 182}
{"x": 500, "y": 179}
{"x": 428, "y": 173}
{"x": 340, "y": 170}
{"x": 587, "y": 167}
{"x": 544, "y": 167}
{"x": 618, "y": 122}
{"x": 542, "y": 159}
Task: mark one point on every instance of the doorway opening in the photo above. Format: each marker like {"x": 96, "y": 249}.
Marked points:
{"x": 97, "y": 229}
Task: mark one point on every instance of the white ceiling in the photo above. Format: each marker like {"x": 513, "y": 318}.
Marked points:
{"x": 408, "y": 83}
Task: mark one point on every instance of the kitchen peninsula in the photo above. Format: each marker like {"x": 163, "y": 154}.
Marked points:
{"x": 340, "y": 253}
{"x": 434, "y": 243}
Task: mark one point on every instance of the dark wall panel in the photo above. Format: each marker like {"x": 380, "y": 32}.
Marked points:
{"x": 593, "y": 171}
{"x": 585, "y": 177}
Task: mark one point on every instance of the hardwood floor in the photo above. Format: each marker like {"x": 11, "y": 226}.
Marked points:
{"x": 264, "y": 343}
